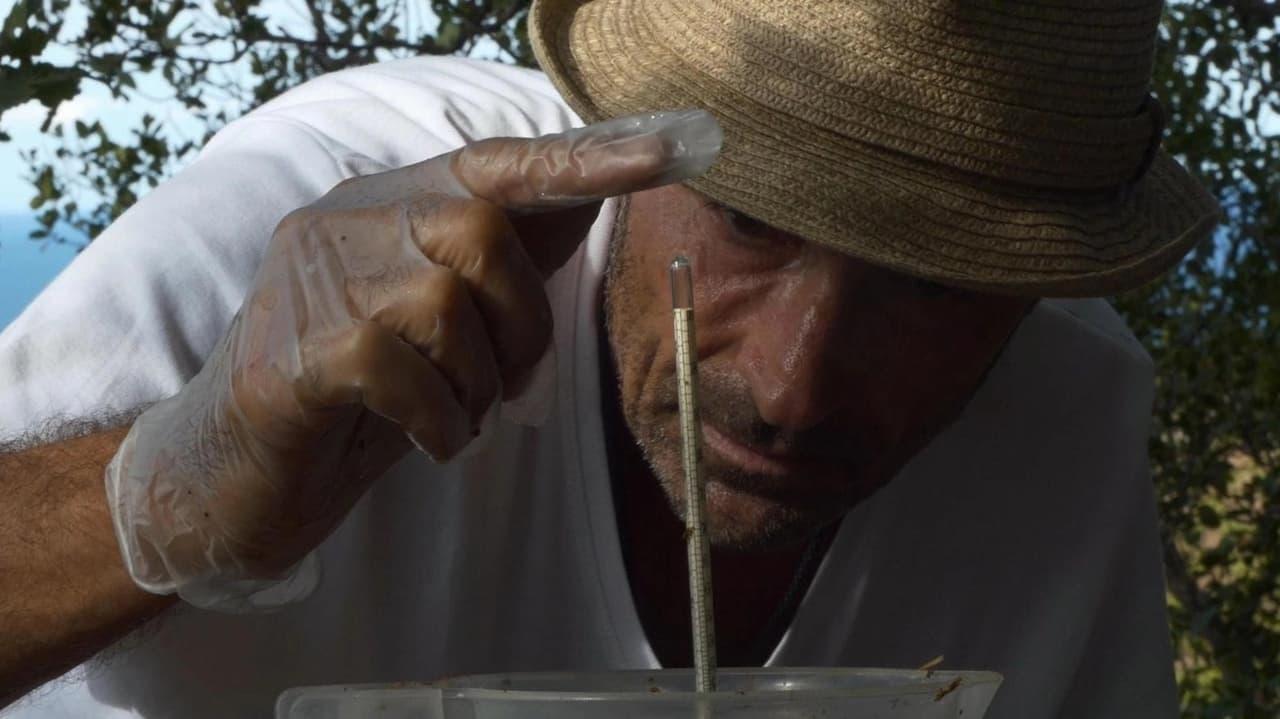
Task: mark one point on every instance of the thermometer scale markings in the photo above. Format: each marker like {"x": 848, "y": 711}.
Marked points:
{"x": 704, "y": 646}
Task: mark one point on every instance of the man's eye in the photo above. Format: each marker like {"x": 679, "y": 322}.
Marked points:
{"x": 927, "y": 288}
{"x": 745, "y": 224}
{"x": 755, "y": 240}
{"x": 757, "y": 235}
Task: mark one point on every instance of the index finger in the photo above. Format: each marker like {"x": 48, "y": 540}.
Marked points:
{"x": 590, "y": 163}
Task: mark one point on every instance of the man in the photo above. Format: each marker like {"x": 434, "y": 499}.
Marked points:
{"x": 897, "y": 186}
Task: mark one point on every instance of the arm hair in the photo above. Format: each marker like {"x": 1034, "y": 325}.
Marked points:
{"x": 64, "y": 592}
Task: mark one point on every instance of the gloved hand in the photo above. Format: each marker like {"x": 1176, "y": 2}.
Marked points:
{"x": 393, "y": 312}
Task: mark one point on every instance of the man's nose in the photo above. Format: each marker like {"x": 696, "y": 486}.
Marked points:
{"x": 797, "y": 354}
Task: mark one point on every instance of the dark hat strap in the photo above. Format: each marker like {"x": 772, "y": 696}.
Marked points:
{"x": 1152, "y": 106}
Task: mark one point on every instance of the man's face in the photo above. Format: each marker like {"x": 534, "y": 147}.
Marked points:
{"x": 819, "y": 375}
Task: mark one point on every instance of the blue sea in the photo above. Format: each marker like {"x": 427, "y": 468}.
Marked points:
{"x": 26, "y": 266}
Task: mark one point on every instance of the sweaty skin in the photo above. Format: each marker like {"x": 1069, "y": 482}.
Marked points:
{"x": 820, "y": 375}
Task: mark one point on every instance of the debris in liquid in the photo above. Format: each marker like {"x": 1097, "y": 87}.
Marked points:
{"x": 930, "y": 665}
{"x": 954, "y": 685}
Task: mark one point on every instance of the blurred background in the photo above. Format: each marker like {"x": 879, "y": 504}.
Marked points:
{"x": 102, "y": 99}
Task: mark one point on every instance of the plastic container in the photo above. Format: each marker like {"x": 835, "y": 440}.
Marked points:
{"x": 772, "y": 693}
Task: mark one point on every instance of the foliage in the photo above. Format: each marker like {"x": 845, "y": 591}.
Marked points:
{"x": 199, "y": 52}
{"x": 1213, "y": 332}
{"x": 1211, "y": 326}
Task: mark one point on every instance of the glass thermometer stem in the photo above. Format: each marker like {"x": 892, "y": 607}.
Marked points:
{"x": 704, "y": 646}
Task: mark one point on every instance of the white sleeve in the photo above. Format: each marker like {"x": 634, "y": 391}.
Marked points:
{"x": 135, "y": 315}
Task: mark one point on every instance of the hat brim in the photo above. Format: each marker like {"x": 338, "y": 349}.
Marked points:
{"x": 607, "y": 59}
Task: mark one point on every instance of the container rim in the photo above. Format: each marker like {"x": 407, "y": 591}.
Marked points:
{"x": 934, "y": 680}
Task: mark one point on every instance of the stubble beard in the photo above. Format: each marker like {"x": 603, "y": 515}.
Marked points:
{"x": 758, "y": 522}
{"x": 752, "y": 521}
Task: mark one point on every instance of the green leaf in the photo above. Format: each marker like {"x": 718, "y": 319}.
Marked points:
{"x": 49, "y": 84}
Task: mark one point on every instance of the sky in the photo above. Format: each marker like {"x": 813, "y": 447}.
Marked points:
{"x": 25, "y": 266}
{"x": 95, "y": 102}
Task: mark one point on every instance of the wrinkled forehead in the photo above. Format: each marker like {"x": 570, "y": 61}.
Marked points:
{"x": 688, "y": 210}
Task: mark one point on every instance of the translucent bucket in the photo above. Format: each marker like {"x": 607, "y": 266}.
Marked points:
{"x": 771, "y": 693}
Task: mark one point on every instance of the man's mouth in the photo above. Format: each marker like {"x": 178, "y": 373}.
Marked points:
{"x": 753, "y": 461}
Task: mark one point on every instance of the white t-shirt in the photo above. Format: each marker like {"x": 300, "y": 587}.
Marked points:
{"x": 1022, "y": 540}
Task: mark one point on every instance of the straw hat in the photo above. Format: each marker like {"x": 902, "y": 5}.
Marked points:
{"x": 1005, "y": 146}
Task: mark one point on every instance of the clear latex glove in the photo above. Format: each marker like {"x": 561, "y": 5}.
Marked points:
{"x": 394, "y": 312}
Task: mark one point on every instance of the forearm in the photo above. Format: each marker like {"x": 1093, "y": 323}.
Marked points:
{"x": 64, "y": 591}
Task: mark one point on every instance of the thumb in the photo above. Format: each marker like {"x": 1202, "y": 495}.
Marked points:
{"x": 590, "y": 163}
